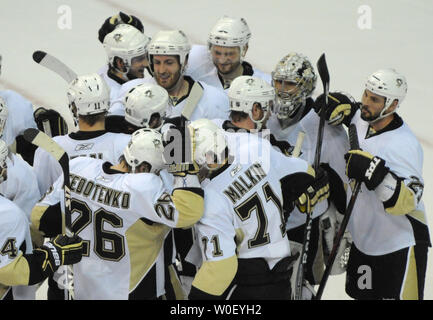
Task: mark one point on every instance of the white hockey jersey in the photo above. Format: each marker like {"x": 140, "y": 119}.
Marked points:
{"x": 375, "y": 231}
{"x": 244, "y": 202}
{"x": 335, "y": 144}
{"x": 21, "y": 185}
{"x": 15, "y": 240}
{"x": 20, "y": 116}
{"x": 123, "y": 220}
{"x": 213, "y": 104}
{"x": 201, "y": 68}
{"x": 97, "y": 144}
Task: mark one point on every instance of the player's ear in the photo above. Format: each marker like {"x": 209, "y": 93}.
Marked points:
{"x": 119, "y": 64}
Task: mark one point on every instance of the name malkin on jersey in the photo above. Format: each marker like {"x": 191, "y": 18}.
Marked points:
{"x": 92, "y": 190}
{"x": 244, "y": 183}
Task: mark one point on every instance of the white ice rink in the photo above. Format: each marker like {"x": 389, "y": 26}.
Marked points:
{"x": 399, "y": 35}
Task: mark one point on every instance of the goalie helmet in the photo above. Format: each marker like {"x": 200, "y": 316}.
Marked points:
{"x": 245, "y": 91}
{"x": 297, "y": 69}
{"x": 210, "y": 142}
{"x": 127, "y": 43}
{"x": 230, "y": 32}
{"x": 4, "y": 151}
{"x": 90, "y": 94}
{"x": 390, "y": 84}
{"x": 145, "y": 146}
{"x": 143, "y": 103}
{"x": 168, "y": 43}
{"x": 3, "y": 115}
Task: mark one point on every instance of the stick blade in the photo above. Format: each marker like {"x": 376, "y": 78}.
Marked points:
{"x": 322, "y": 68}
{"x": 38, "y": 56}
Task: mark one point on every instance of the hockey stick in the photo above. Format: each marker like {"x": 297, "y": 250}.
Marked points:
{"x": 42, "y": 140}
{"x": 55, "y": 65}
{"x": 300, "y": 276}
{"x": 298, "y": 145}
{"x": 354, "y": 144}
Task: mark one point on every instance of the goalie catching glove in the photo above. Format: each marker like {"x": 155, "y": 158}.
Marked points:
{"x": 179, "y": 148}
{"x": 340, "y": 107}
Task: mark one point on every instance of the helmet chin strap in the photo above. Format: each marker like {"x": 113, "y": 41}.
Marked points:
{"x": 382, "y": 114}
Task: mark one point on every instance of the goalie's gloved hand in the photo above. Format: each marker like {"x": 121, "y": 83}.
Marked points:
{"x": 317, "y": 191}
{"x": 110, "y": 24}
{"x": 340, "y": 106}
{"x": 50, "y": 122}
{"x": 63, "y": 250}
{"x": 179, "y": 148}
{"x": 364, "y": 167}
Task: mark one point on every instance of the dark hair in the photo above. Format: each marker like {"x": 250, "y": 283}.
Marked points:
{"x": 147, "y": 165}
{"x": 91, "y": 119}
{"x": 237, "y": 116}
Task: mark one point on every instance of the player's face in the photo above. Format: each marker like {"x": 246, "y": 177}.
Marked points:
{"x": 285, "y": 89}
{"x": 372, "y": 105}
{"x": 225, "y": 59}
{"x": 166, "y": 71}
{"x": 137, "y": 67}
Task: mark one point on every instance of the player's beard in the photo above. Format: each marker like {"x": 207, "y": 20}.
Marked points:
{"x": 366, "y": 115}
{"x": 168, "y": 82}
{"x": 227, "y": 68}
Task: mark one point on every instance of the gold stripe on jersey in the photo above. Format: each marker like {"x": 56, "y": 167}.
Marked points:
{"x": 144, "y": 243}
{"x": 418, "y": 215}
{"x": 310, "y": 171}
{"x": 214, "y": 277}
{"x": 239, "y": 237}
{"x": 175, "y": 283}
{"x": 3, "y": 291}
{"x": 405, "y": 202}
{"x": 410, "y": 283}
{"x": 190, "y": 206}
{"x": 16, "y": 273}
{"x": 36, "y": 234}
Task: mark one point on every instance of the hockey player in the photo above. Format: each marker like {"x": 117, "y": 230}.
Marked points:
{"x": 20, "y": 117}
{"x": 223, "y": 59}
{"x": 388, "y": 223}
{"x": 126, "y": 51}
{"x": 89, "y": 99}
{"x": 168, "y": 54}
{"x": 242, "y": 236}
{"x": 124, "y": 214}
{"x": 20, "y": 265}
{"x": 294, "y": 80}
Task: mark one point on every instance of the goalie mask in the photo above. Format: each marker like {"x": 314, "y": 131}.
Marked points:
{"x": 3, "y": 115}
{"x": 4, "y": 151}
{"x": 146, "y": 106}
{"x": 294, "y": 80}
{"x": 145, "y": 146}
{"x": 245, "y": 91}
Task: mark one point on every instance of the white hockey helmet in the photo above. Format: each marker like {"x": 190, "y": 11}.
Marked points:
{"x": 145, "y": 146}
{"x": 390, "y": 84}
{"x": 210, "y": 142}
{"x": 245, "y": 91}
{"x": 143, "y": 101}
{"x": 127, "y": 43}
{"x": 90, "y": 94}
{"x": 3, "y": 115}
{"x": 4, "y": 151}
{"x": 230, "y": 32}
{"x": 167, "y": 43}
{"x": 297, "y": 69}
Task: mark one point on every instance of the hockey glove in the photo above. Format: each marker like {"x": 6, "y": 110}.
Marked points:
{"x": 50, "y": 122}
{"x": 110, "y": 24}
{"x": 63, "y": 250}
{"x": 340, "y": 107}
{"x": 362, "y": 166}
{"x": 179, "y": 148}
{"x": 317, "y": 191}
